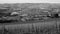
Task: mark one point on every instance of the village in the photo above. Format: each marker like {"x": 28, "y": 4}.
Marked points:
{"x": 41, "y": 14}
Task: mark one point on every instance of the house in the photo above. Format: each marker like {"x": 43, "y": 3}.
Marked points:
{"x": 24, "y": 15}
{"x": 14, "y": 13}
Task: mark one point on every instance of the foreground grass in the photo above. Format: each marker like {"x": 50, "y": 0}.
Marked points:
{"x": 34, "y": 28}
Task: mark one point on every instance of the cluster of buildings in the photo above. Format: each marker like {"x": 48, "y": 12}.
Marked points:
{"x": 9, "y": 14}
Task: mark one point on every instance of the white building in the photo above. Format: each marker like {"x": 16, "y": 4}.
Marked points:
{"x": 14, "y": 13}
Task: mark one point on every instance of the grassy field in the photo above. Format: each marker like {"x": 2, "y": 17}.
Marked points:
{"x": 52, "y": 27}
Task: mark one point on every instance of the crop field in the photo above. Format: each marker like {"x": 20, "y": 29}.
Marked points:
{"x": 32, "y": 28}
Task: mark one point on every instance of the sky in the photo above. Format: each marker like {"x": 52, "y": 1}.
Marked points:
{"x": 29, "y": 1}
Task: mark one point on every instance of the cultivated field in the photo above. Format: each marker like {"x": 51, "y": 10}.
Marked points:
{"x": 51, "y": 27}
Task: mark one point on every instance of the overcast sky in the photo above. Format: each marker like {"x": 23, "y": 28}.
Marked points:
{"x": 29, "y": 1}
